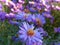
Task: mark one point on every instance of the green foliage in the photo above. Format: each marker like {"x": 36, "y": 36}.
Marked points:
{"x": 56, "y": 15}
{"x": 6, "y": 9}
{"x": 52, "y": 36}
{"x": 6, "y": 32}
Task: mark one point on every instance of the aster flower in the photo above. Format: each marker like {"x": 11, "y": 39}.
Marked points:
{"x": 33, "y": 10}
{"x": 37, "y": 1}
{"x": 29, "y": 18}
{"x": 10, "y": 16}
{"x": 23, "y": 16}
{"x": 14, "y": 22}
{"x": 48, "y": 8}
{"x": 57, "y": 30}
{"x": 42, "y": 30}
{"x": 47, "y": 14}
{"x": 15, "y": 39}
{"x": 15, "y": 1}
{"x": 20, "y": 16}
{"x": 2, "y": 15}
{"x": 20, "y": 6}
{"x": 11, "y": 4}
{"x": 29, "y": 35}
{"x": 40, "y": 7}
{"x": 38, "y": 19}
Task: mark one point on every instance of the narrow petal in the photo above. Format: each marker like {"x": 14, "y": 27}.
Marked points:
{"x": 25, "y": 25}
{"x": 38, "y": 39}
{"x": 21, "y": 32}
{"x": 22, "y": 28}
{"x": 21, "y": 36}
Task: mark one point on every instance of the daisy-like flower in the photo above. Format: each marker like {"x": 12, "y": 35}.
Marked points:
{"x": 29, "y": 18}
{"x": 20, "y": 16}
{"x": 2, "y": 15}
{"x": 10, "y": 16}
{"x": 38, "y": 19}
{"x": 23, "y": 16}
{"x": 47, "y": 14}
{"x": 29, "y": 35}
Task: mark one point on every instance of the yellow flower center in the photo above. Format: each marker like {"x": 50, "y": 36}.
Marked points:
{"x": 38, "y": 21}
{"x": 26, "y": 10}
{"x": 30, "y": 32}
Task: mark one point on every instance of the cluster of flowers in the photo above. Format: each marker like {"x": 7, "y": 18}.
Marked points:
{"x": 30, "y": 16}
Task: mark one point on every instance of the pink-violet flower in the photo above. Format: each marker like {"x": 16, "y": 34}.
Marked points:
{"x": 29, "y": 35}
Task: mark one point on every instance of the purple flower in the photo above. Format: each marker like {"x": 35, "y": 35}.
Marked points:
{"x": 33, "y": 10}
{"x": 57, "y": 43}
{"x": 15, "y": 39}
{"x": 1, "y": 7}
{"x": 15, "y": 1}
{"x": 29, "y": 35}
{"x": 20, "y": 16}
{"x": 2, "y": 16}
{"x": 57, "y": 30}
{"x": 13, "y": 22}
{"x": 52, "y": 20}
{"x": 3, "y": 0}
{"x": 37, "y": 1}
{"x": 40, "y": 7}
{"x": 23, "y": 16}
{"x": 29, "y": 18}
{"x": 38, "y": 19}
{"x": 10, "y": 16}
{"x": 20, "y": 6}
{"x": 44, "y": 32}
{"x": 57, "y": 0}
{"x": 47, "y": 14}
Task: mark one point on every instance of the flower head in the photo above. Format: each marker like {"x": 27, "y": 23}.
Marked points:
{"x": 38, "y": 19}
{"x": 47, "y": 14}
{"x": 10, "y": 16}
{"x": 33, "y": 10}
{"x": 20, "y": 16}
{"x": 2, "y": 16}
{"x": 15, "y": 1}
{"x": 29, "y": 35}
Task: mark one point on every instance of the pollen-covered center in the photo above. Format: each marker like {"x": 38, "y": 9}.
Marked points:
{"x": 30, "y": 32}
{"x": 26, "y": 10}
{"x": 38, "y": 21}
